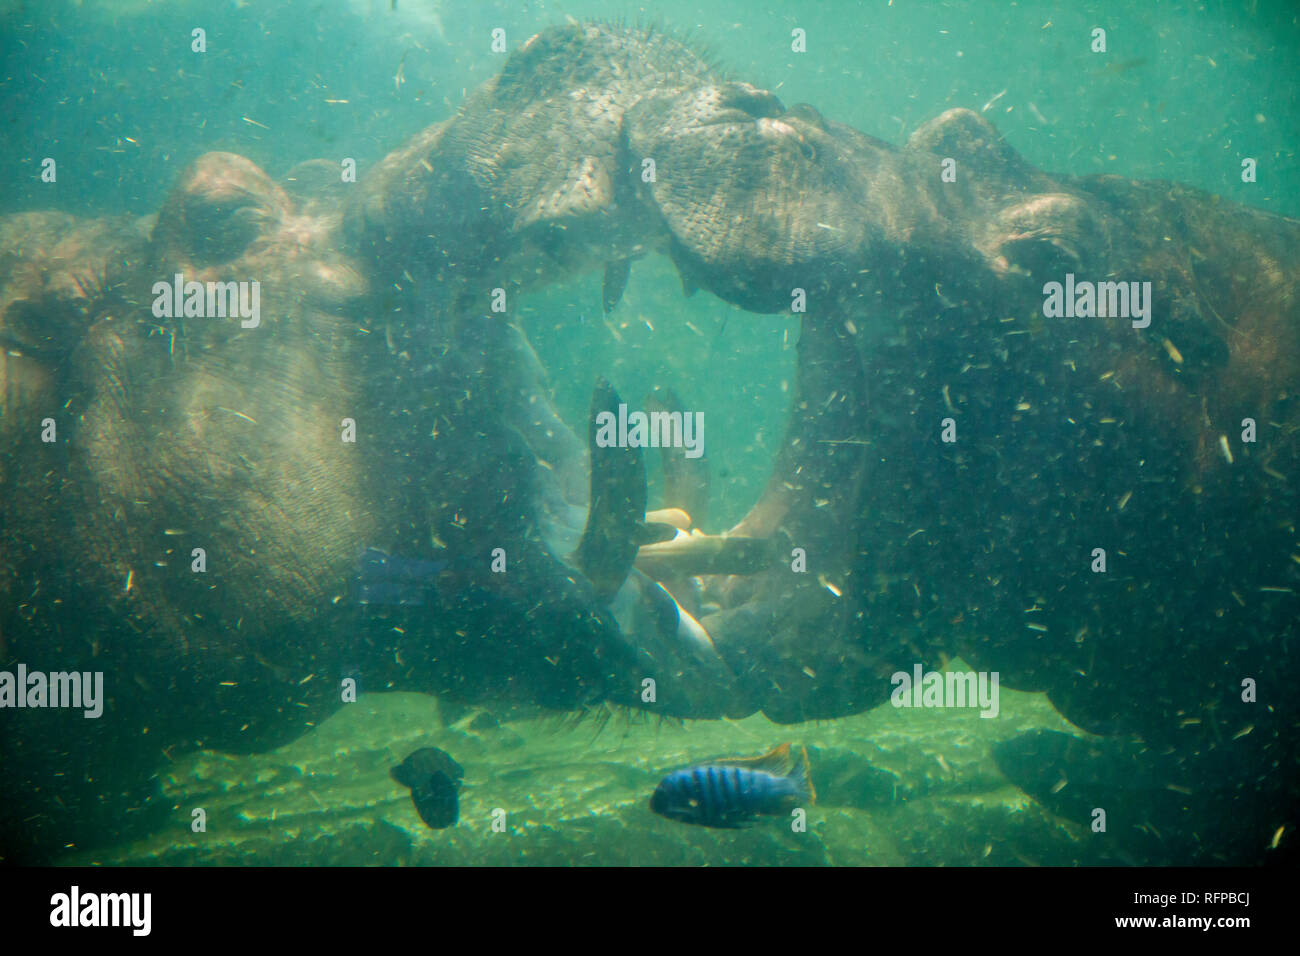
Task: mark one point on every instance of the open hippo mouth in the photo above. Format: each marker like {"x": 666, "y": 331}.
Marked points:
{"x": 919, "y": 273}
{"x": 637, "y": 147}
{"x": 546, "y": 174}
{"x": 353, "y": 471}
{"x": 508, "y": 554}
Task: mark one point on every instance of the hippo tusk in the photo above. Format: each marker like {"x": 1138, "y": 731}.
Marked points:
{"x": 693, "y": 552}
{"x": 674, "y": 517}
{"x": 614, "y": 284}
{"x": 615, "y": 526}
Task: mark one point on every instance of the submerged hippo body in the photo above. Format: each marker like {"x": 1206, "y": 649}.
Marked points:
{"x": 327, "y": 559}
{"x": 1068, "y": 433}
{"x": 188, "y": 442}
{"x": 444, "y": 550}
{"x": 1163, "y": 444}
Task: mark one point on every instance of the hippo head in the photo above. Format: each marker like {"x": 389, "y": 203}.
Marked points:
{"x": 379, "y": 321}
{"x": 276, "y": 472}
{"x": 922, "y": 272}
{"x": 911, "y": 265}
{"x": 530, "y": 182}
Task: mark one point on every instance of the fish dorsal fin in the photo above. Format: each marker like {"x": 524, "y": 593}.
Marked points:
{"x": 777, "y": 762}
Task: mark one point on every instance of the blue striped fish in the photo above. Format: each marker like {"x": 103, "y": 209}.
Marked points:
{"x": 731, "y": 792}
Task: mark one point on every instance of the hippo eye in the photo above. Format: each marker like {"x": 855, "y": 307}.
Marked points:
{"x": 808, "y": 151}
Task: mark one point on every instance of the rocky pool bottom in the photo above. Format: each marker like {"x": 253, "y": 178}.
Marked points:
{"x": 896, "y": 787}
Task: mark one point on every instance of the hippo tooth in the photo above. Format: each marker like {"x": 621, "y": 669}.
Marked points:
{"x": 615, "y": 281}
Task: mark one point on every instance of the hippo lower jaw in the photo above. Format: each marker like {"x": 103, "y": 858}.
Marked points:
{"x": 762, "y": 617}
{"x": 670, "y": 662}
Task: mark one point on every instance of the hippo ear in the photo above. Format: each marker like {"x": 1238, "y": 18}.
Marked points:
{"x": 221, "y": 206}
{"x": 970, "y": 138}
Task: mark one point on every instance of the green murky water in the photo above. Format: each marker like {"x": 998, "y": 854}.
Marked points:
{"x": 896, "y": 787}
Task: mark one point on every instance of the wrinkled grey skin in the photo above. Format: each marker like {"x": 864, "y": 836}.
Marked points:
{"x": 939, "y": 285}
{"x": 924, "y": 302}
{"x": 174, "y": 435}
{"x": 530, "y": 182}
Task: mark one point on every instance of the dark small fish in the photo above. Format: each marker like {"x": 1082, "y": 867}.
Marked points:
{"x": 434, "y": 779}
{"x": 729, "y": 793}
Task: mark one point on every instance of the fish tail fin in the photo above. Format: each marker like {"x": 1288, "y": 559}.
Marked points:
{"x": 801, "y": 775}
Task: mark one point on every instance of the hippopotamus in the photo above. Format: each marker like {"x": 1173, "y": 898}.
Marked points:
{"x": 265, "y": 449}
{"x": 1096, "y": 501}
{"x": 249, "y": 509}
